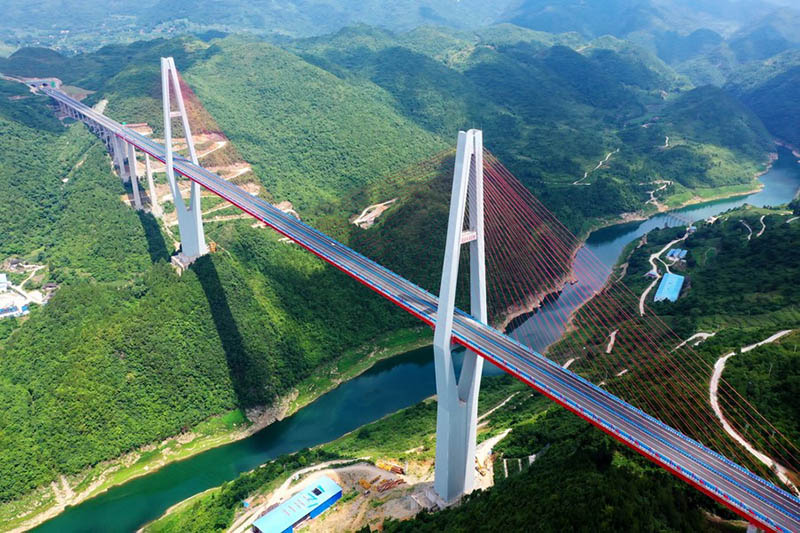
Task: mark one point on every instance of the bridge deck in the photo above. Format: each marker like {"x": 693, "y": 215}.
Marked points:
{"x": 754, "y": 498}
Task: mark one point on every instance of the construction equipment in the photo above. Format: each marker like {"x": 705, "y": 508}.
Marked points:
{"x": 365, "y": 484}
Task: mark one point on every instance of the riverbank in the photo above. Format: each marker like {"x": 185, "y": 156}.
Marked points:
{"x": 689, "y": 198}
{"x": 794, "y": 149}
{"x": 401, "y": 437}
{"x": 49, "y": 501}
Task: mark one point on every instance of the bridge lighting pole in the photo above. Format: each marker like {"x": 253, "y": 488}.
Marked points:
{"x": 457, "y": 411}
{"x": 190, "y": 219}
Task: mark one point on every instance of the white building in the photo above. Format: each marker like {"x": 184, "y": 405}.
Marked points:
{"x": 3, "y": 282}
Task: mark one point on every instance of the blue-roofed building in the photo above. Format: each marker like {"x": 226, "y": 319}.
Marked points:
{"x": 309, "y": 503}
{"x": 677, "y": 253}
{"x": 669, "y": 288}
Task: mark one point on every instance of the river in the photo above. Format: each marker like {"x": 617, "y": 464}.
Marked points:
{"x": 388, "y": 386}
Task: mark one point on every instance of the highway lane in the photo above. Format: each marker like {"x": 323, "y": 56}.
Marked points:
{"x": 746, "y": 493}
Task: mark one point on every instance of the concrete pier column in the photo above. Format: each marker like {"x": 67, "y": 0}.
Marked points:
{"x": 119, "y": 158}
{"x": 155, "y": 207}
{"x": 457, "y": 411}
{"x": 137, "y": 200}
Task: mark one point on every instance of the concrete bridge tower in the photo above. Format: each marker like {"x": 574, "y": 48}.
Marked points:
{"x": 457, "y": 413}
{"x": 190, "y": 218}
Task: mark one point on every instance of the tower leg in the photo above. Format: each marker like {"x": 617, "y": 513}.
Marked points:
{"x": 137, "y": 200}
{"x": 457, "y": 411}
{"x": 190, "y": 219}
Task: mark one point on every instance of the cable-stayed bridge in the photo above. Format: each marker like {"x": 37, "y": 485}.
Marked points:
{"x": 759, "y": 501}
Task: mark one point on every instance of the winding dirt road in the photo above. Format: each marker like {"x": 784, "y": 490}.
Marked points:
{"x": 713, "y": 396}
{"x": 600, "y": 164}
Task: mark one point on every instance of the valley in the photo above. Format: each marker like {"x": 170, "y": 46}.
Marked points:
{"x": 127, "y": 379}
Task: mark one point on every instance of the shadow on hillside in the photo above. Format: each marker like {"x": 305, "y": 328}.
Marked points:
{"x": 156, "y": 246}
{"x": 244, "y": 375}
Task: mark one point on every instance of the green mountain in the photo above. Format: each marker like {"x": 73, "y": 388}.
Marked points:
{"x": 677, "y": 30}
{"x": 316, "y": 17}
{"x": 695, "y": 115}
{"x": 80, "y": 25}
{"x": 311, "y": 136}
{"x": 704, "y": 40}
{"x": 557, "y": 111}
{"x": 768, "y": 37}
{"x": 770, "y": 89}
{"x": 128, "y": 353}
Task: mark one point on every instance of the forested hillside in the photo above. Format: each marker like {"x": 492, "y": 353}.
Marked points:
{"x": 557, "y": 112}
{"x": 582, "y": 480}
{"x": 361, "y": 104}
{"x": 772, "y": 90}
{"x": 736, "y": 282}
{"x": 742, "y": 290}
{"x": 127, "y": 352}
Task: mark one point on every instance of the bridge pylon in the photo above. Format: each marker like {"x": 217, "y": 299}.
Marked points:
{"x": 190, "y": 219}
{"x": 457, "y": 397}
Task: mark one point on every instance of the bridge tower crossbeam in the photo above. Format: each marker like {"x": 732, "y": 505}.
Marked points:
{"x": 190, "y": 219}
{"x": 457, "y": 411}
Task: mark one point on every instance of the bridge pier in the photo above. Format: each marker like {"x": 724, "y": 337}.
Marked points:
{"x": 118, "y": 151}
{"x": 190, "y": 218}
{"x": 457, "y": 411}
{"x": 106, "y": 136}
{"x": 137, "y": 200}
{"x": 155, "y": 207}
